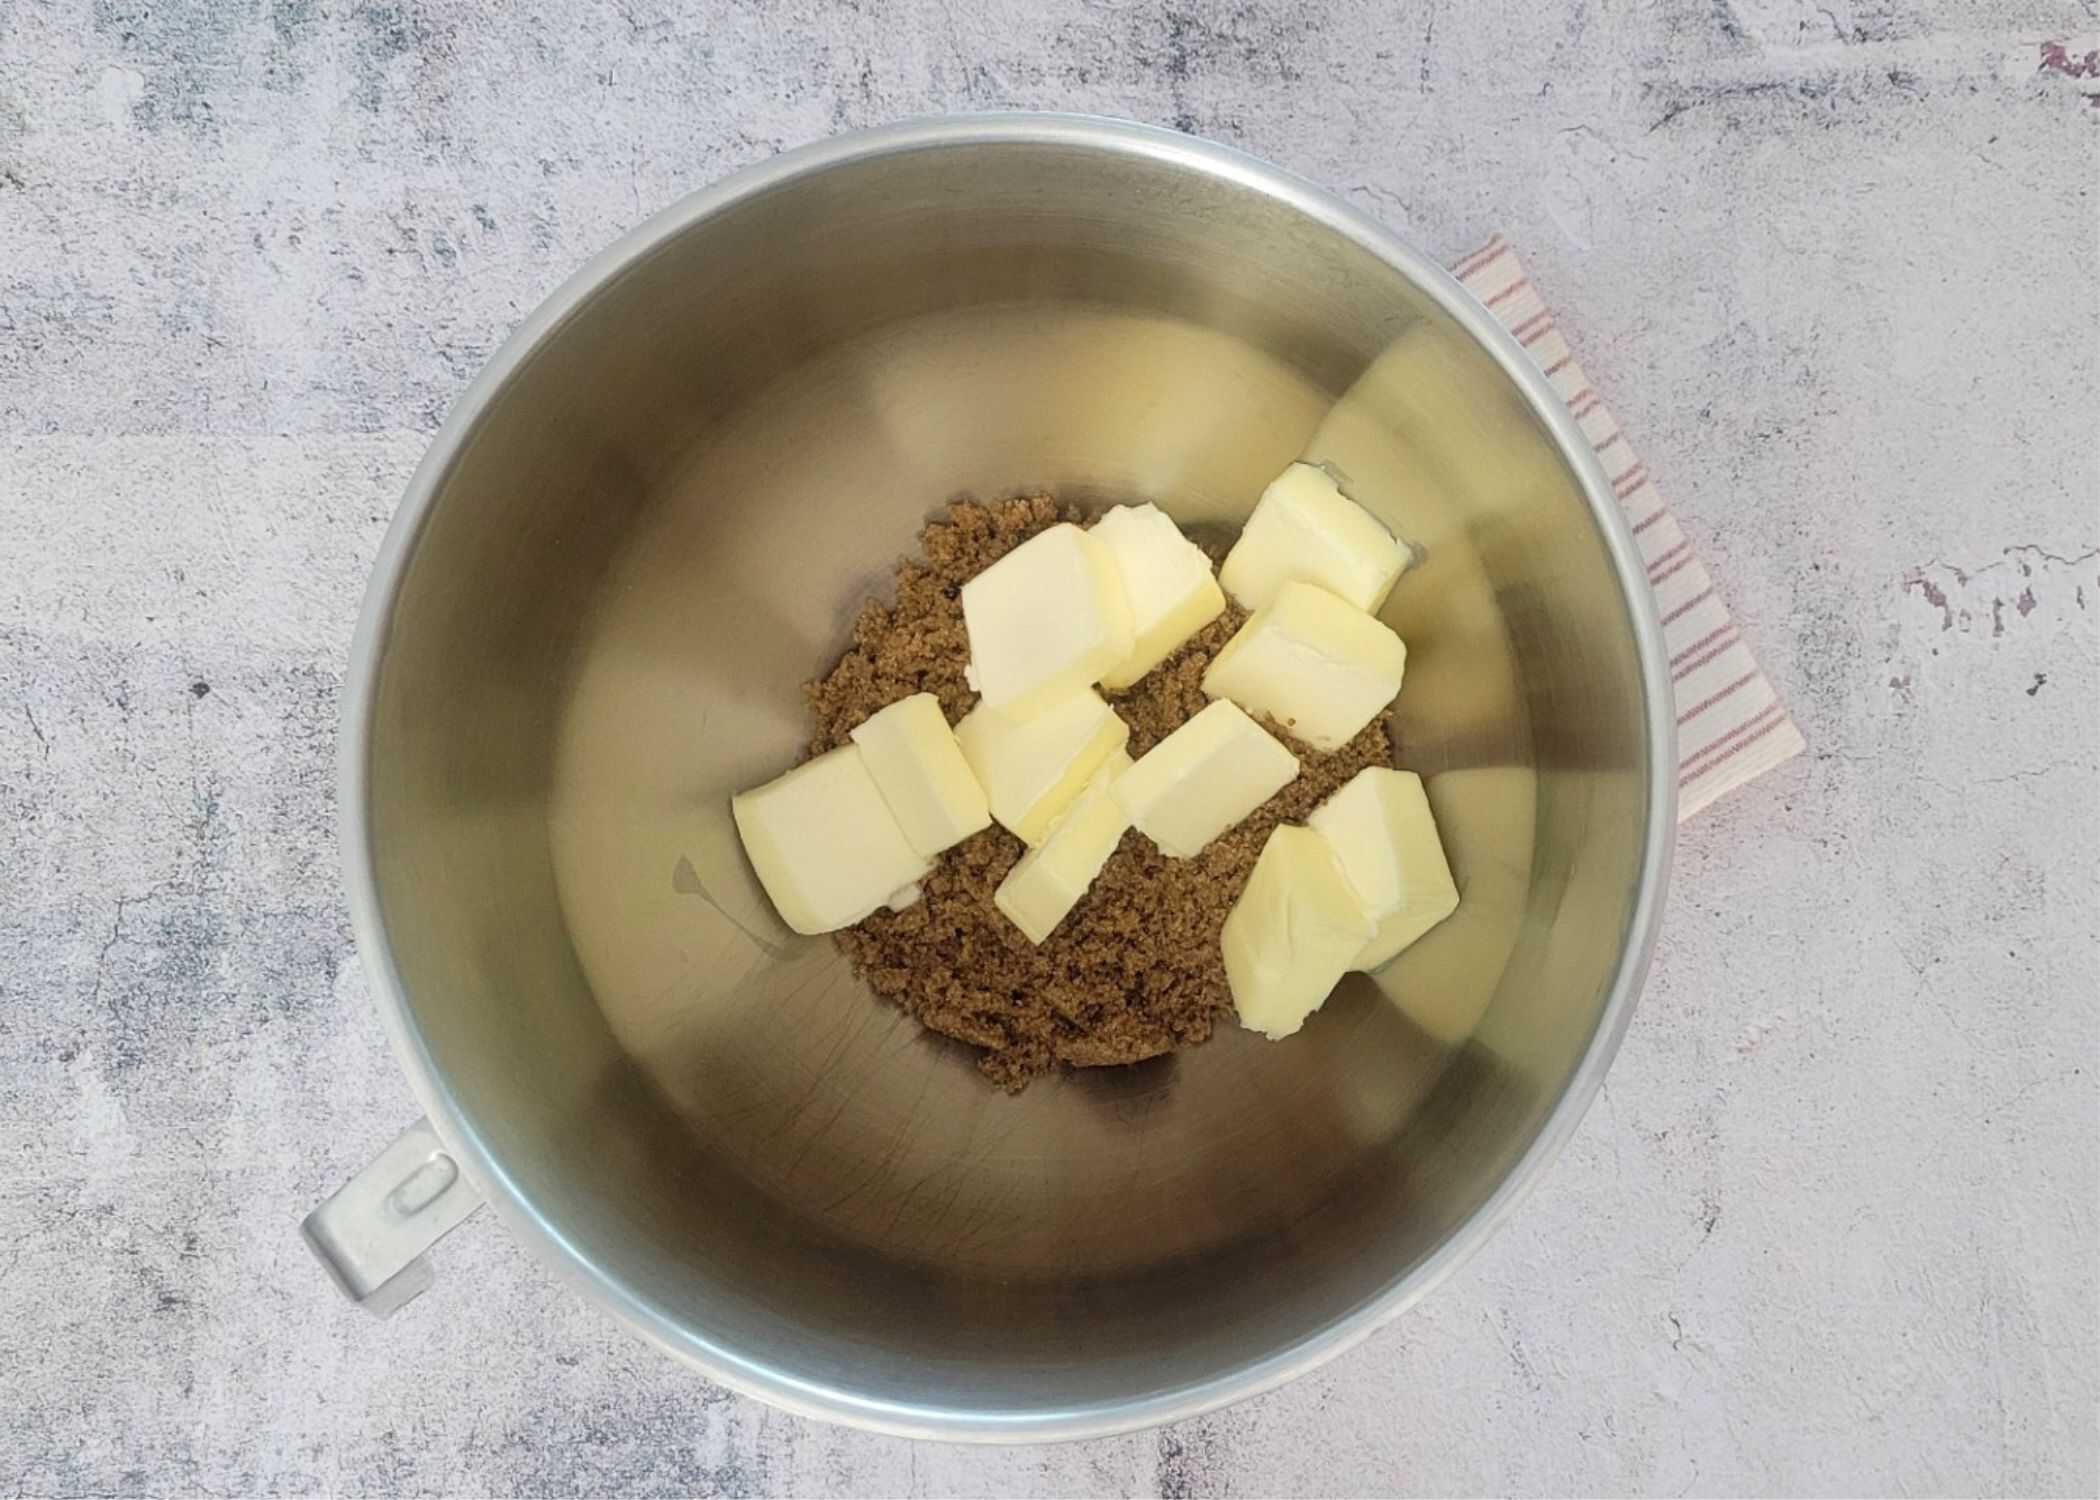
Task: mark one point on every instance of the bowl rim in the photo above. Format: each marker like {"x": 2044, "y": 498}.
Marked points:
{"x": 825, "y": 1400}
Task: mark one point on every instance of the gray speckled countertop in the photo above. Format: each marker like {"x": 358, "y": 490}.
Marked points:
{"x": 1831, "y": 1226}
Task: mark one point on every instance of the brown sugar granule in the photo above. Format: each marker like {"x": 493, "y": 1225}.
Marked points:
{"x": 1136, "y": 969}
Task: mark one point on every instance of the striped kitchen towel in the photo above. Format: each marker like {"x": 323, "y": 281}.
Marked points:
{"x": 1731, "y": 726}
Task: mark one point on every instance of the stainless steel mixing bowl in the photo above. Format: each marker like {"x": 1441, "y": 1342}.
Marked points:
{"x": 650, "y": 520}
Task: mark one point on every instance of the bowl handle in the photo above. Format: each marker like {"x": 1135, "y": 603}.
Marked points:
{"x": 372, "y": 1233}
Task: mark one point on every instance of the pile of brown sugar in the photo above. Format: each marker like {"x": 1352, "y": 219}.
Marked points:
{"x": 1135, "y": 970}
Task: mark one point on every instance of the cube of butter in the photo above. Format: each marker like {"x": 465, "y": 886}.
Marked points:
{"x": 1382, "y": 831}
{"x": 1045, "y": 621}
{"x": 1168, "y": 581}
{"x": 920, "y": 771}
{"x": 1294, "y": 932}
{"x": 1041, "y": 890}
{"x": 1313, "y": 662}
{"x": 1032, "y": 769}
{"x": 825, "y": 845}
{"x": 1203, "y": 778}
{"x": 1305, "y": 528}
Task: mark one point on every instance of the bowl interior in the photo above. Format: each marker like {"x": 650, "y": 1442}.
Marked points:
{"x": 658, "y": 527}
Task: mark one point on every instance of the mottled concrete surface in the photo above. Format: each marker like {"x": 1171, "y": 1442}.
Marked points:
{"x": 1832, "y": 1226}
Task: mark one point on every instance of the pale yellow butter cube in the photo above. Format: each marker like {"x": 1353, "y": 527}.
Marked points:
{"x": 1305, "y": 528}
{"x": 1382, "y": 831}
{"x": 1045, "y": 621}
{"x": 1041, "y": 890}
{"x": 1031, "y": 769}
{"x": 825, "y": 845}
{"x": 1203, "y": 778}
{"x": 1294, "y": 932}
{"x": 1314, "y": 663}
{"x": 1168, "y": 581}
{"x": 920, "y": 771}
